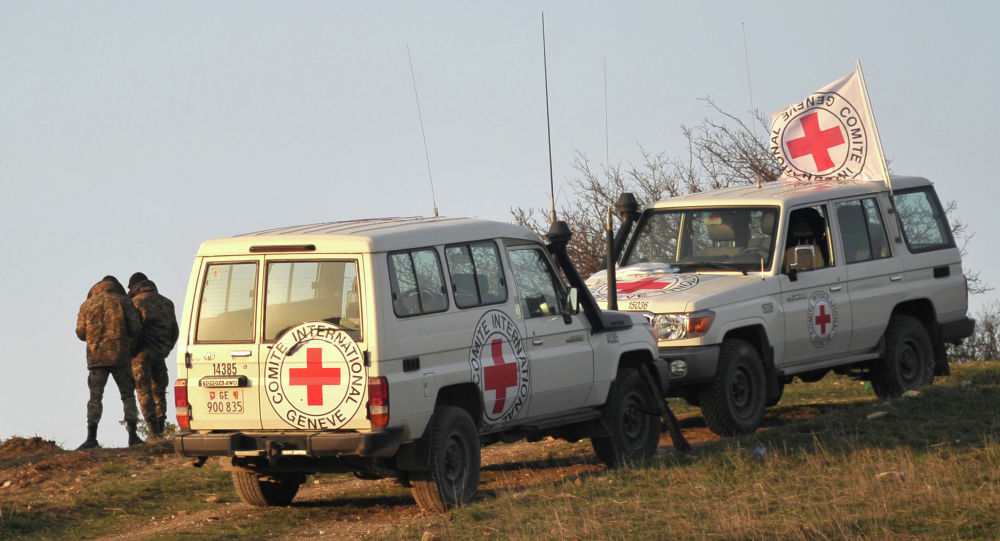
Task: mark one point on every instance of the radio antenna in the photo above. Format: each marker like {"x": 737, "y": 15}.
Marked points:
{"x": 607, "y": 144}
{"x": 548, "y": 124}
{"x": 746, "y": 59}
{"x": 420, "y": 116}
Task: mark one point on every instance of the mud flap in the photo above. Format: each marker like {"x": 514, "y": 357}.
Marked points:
{"x": 673, "y": 425}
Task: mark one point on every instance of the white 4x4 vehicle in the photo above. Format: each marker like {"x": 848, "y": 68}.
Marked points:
{"x": 749, "y": 287}
{"x": 396, "y": 348}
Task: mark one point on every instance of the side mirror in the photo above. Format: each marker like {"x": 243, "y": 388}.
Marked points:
{"x": 571, "y": 303}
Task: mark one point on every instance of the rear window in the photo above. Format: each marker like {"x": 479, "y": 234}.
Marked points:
{"x": 225, "y": 313}
{"x": 925, "y": 226}
{"x": 300, "y": 291}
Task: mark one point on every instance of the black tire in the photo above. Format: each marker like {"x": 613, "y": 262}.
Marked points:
{"x": 909, "y": 358}
{"x": 632, "y": 421}
{"x": 454, "y": 459}
{"x": 733, "y": 403}
{"x": 260, "y": 491}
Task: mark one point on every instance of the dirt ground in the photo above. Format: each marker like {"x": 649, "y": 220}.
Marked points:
{"x": 37, "y": 465}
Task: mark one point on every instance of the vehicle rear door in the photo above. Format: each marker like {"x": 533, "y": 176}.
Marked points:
{"x": 875, "y": 277}
{"x": 315, "y": 387}
{"x": 222, "y": 357}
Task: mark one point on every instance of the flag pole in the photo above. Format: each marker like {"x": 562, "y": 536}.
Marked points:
{"x": 871, "y": 114}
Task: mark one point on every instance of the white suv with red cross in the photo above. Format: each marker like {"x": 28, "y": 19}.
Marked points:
{"x": 396, "y": 348}
{"x": 749, "y": 287}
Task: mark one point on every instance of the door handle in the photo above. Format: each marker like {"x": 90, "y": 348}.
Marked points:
{"x": 575, "y": 338}
{"x": 241, "y": 353}
{"x": 895, "y": 277}
{"x": 835, "y": 288}
{"x": 797, "y": 297}
{"x": 537, "y": 341}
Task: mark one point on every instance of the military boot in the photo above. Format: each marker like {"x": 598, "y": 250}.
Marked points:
{"x": 153, "y": 425}
{"x": 91, "y": 438}
{"x": 133, "y": 438}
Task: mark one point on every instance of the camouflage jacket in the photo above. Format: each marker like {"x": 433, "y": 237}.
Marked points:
{"x": 159, "y": 323}
{"x": 109, "y": 324}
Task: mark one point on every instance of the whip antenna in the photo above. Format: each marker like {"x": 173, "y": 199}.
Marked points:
{"x": 548, "y": 123}
{"x": 420, "y": 116}
{"x": 607, "y": 144}
{"x": 746, "y": 59}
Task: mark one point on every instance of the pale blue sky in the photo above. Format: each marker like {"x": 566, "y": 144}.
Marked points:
{"x": 130, "y": 132}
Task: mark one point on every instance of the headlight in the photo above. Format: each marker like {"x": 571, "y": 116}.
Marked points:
{"x": 678, "y": 326}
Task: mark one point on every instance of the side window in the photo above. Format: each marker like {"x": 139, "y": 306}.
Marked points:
{"x": 536, "y": 284}
{"x": 417, "y": 282}
{"x": 861, "y": 230}
{"x": 476, "y": 274}
{"x": 225, "y": 313}
{"x": 925, "y": 226}
{"x": 299, "y": 291}
{"x": 808, "y": 244}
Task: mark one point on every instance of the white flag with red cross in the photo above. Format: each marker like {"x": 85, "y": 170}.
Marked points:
{"x": 830, "y": 135}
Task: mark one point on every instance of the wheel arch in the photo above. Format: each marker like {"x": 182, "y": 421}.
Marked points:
{"x": 756, "y": 336}
{"x": 923, "y": 310}
{"x": 632, "y": 359}
{"x": 463, "y": 395}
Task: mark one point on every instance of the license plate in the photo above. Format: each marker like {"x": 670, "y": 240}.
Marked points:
{"x": 225, "y": 401}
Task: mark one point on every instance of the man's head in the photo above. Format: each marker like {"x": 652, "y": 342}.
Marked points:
{"x": 135, "y": 279}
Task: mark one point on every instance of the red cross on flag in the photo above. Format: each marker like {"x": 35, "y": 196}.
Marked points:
{"x": 830, "y": 135}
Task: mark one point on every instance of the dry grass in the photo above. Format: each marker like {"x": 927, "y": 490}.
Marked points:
{"x": 925, "y": 467}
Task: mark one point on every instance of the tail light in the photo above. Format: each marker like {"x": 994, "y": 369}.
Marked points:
{"x": 181, "y": 404}
{"x": 378, "y": 402}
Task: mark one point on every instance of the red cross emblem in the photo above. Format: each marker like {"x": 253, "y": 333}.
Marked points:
{"x": 822, "y": 319}
{"x": 314, "y": 376}
{"x": 499, "y": 377}
{"x": 646, "y": 283}
{"x": 816, "y": 142}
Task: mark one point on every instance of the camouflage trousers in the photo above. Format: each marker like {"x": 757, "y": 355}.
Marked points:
{"x": 98, "y": 379}
{"x": 151, "y": 380}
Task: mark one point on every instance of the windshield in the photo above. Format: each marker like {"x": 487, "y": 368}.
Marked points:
{"x": 733, "y": 238}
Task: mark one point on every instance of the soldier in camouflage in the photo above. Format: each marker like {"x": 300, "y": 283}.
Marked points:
{"x": 149, "y": 366}
{"x": 109, "y": 324}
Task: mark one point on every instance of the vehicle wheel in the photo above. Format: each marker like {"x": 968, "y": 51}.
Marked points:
{"x": 454, "y": 458}
{"x": 908, "y": 362}
{"x": 261, "y": 491}
{"x": 733, "y": 403}
{"x": 632, "y": 421}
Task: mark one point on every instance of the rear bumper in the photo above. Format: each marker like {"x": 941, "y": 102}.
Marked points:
{"x": 381, "y": 443}
{"x": 954, "y": 331}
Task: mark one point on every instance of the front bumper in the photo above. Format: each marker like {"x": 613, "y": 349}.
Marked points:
{"x": 701, "y": 363}
{"x": 380, "y": 443}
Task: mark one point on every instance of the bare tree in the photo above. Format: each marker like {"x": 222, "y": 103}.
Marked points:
{"x": 984, "y": 344}
{"x": 960, "y": 230}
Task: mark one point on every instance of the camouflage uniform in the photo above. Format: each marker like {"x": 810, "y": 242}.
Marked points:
{"x": 109, "y": 324}
{"x": 159, "y": 334}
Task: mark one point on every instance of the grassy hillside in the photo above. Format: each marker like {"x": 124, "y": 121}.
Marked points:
{"x": 831, "y": 463}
